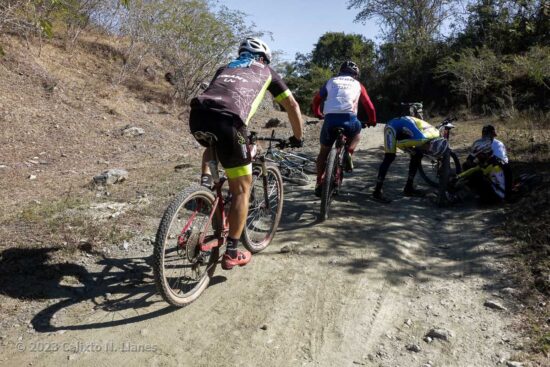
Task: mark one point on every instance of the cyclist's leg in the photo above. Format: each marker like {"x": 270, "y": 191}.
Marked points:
{"x": 235, "y": 157}
{"x": 352, "y": 130}
{"x": 416, "y": 159}
{"x": 240, "y": 193}
{"x": 198, "y": 121}
{"x": 390, "y": 148}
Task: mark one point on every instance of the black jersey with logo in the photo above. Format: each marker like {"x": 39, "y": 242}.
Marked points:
{"x": 239, "y": 90}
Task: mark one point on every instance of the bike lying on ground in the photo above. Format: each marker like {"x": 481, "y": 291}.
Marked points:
{"x": 194, "y": 227}
{"x": 294, "y": 167}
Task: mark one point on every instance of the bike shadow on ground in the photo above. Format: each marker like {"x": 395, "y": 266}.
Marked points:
{"x": 121, "y": 292}
{"x": 409, "y": 238}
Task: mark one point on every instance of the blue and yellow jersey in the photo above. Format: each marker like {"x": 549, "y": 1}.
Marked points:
{"x": 493, "y": 172}
{"x": 407, "y": 132}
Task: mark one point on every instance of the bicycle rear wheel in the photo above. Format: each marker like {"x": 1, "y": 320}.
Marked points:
{"x": 328, "y": 184}
{"x": 265, "y": 208}
{"x": 181, "y": 270}
{"x": 430, "y": 167}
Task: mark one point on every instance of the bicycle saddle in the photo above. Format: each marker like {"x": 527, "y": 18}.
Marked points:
{"x": 206, "y": 137}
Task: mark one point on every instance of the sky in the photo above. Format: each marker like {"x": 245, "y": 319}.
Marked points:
{"x": 296, "y": 25}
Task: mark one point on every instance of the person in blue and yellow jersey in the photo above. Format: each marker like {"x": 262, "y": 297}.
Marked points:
{"x": 418, "y": 137}
{"x": 225, "y": 109}
{"x": 486, "y": 178}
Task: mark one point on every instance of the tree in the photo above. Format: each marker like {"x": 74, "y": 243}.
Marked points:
{"x": 506, "y": 26}
{"x": 416, "y": 20}
{"x": 472, "y": 71}
{"x": 334, "y": 48}
{"x": 190, "y": 37}
{"x": 534, "y": 65}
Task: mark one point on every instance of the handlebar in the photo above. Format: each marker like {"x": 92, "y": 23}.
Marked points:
{"x": 448, "y": 121}
{"x": 281, "y": 143}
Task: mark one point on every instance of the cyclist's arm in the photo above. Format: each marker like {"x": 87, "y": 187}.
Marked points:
{"x": 316, "y": 105}
{"x": 499, "y": 150}
{"x": 320, "y": 96}
{"x": 292, "y": 108}
{"x": 366, "y": 103}
{"x": 283, "y": 96}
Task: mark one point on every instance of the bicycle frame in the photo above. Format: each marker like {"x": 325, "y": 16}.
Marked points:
{"x": 340, "y": 144}
{"x": 220, "y": 203}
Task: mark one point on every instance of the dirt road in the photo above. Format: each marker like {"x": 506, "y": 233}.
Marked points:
{"x": 363, "y": 288}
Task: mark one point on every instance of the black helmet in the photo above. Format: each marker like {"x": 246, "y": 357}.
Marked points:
{"x": 349, "y": 67}
{"x": 488, "y": 130}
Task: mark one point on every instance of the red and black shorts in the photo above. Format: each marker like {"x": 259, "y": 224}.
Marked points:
{"x": 232, "y": 144}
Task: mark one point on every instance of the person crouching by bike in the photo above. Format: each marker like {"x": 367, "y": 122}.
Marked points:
{"x": 499, "y": 151}
{"x": 224, "y": 109}
{"x": 485, "y": 178}
{"x": 341, "y": 96}
{"x": 417, "y": 137}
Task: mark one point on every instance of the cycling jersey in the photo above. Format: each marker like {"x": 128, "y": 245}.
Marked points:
{"x": 407, "y": 132}
{"x": 493, "y": 172}
{"x": 343, "y": 94}
{"x": 499, "y": 150}
{"x": 239, "y": 87}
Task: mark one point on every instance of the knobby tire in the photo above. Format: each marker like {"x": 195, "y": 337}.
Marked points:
{"x": 426, "y": 167}
{"x": 328, "y": 184}
{"x": 262, "y": 222}
{"x": 169, "y": 256}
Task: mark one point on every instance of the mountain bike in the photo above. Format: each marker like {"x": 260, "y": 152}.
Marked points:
{"x": 294, "y": 167}
{"x": 334, "y": 172}
{"x": 194, "y": 228}
{"x": 431, "y": 167}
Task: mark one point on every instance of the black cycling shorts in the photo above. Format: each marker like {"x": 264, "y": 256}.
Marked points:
{"x": 232, "y": 145}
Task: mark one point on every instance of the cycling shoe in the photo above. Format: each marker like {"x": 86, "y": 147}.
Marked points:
{"x": 379, "y": 196}
{"x": 242, "y": 258}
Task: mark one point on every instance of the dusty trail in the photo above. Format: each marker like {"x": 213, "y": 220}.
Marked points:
{"x": 358, "y": 289}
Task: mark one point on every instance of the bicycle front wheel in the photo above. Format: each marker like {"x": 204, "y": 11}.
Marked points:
{"x": 264, "y": 210}
{"x": 430, "y": 167}
{"x": 328, "y": 184}
{"x": 181, "y": 270}
{"x": 444, "y": 174}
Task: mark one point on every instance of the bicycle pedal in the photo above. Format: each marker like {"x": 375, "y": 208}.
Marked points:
{"x": 209, "y": 243}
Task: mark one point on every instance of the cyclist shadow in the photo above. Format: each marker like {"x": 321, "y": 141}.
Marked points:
{"x": 122, "y": 292}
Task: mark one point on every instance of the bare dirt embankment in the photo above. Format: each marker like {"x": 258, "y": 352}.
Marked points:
{"x": 406, "y": 284}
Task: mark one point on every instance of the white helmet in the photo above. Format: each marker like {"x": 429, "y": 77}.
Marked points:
{"x": 482, "y": 147}
{"x": 256, "y": 46}
{"x": 438, "y": 146}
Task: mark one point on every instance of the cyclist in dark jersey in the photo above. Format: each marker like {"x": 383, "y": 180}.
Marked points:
{"x": 224, "y": 109}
